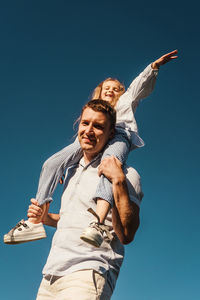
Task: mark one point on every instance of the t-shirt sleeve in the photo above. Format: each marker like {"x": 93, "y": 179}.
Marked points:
{"x": 134, "y": 185}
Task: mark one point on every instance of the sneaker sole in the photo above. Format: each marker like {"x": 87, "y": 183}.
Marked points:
{"x": 14, "y": 241}
{"x": 89, "y": 241}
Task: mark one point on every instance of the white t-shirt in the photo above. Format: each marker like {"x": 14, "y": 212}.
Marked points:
{"x": 68, "y": 252}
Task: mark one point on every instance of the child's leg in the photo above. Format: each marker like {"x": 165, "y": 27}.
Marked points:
{"x": 94, "y": 233}
{"x": 102, "y": 209}
{"x": 52, "y": 171}
{"x": 54, "y": 168}
{"x": 119, "y": 147}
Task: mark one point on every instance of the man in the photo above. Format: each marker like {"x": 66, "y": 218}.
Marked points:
{"x": 75, "y": 269}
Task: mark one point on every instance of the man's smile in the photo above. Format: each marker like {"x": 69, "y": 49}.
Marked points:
{"x": 88, "y": 140}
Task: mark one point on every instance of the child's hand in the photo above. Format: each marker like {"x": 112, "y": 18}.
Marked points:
{"x": 164, "y": 59}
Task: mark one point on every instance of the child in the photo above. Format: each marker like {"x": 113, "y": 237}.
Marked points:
{"x": 126, "y": 138}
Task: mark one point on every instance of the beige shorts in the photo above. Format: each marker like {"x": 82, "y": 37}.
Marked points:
{"x": 80, "y": 285}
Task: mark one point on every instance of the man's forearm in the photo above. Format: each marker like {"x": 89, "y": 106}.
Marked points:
{"x": 125, "y": 213}
{"x": 51, "y": 219}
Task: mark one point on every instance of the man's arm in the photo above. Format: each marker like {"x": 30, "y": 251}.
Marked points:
{"x": 37, "y": 212}
{"x": 125, "y": 213}
{"x": 51, "y": 219}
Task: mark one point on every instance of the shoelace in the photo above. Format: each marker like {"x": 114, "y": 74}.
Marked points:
{"x": 100, "y": 227}
{"x": 21, "y": 223}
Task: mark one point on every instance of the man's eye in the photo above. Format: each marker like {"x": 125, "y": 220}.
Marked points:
{"x": 99, "y": 126}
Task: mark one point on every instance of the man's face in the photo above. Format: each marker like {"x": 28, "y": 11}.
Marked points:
{"x": 94, "y": 132}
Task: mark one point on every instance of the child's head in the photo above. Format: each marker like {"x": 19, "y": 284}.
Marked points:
{"x": 109, "y": 90}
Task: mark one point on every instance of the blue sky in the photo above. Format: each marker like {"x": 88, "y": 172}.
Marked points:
{"x": 52, "y": 55}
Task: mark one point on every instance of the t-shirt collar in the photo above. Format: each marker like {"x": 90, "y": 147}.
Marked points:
{"x": 85, "y": 166}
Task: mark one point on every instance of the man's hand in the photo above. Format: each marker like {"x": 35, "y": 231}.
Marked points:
{"x": 125, "y": 214}
{"x": 34, "y": 210}
{"x": 41, "y": 214}
{"x": 164, "y": 59}
{"x": 111, "y": 167}
{"x": 38, "y": 212}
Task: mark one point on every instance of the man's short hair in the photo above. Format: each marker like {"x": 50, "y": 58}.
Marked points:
{"x": 103, "y": 106}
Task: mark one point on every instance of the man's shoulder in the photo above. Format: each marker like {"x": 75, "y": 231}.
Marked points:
{"x": 133, "y": 180}
{"x": 132, "y": 174}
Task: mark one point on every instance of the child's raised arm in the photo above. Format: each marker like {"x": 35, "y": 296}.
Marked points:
{"x": 164, "y": 59}
{"x": 140, "y": 88}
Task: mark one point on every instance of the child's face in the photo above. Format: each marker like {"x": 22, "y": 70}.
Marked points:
{"x": 110, "y": 91}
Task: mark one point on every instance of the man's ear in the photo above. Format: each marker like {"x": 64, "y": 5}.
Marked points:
{"x": 112, "y": 133}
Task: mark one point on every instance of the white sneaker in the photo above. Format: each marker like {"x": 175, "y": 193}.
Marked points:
{"x": 25, "y": 231}
{"x": 94, "y": 234}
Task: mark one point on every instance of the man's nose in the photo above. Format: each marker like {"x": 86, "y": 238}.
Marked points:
{"x": 89, "y": 128}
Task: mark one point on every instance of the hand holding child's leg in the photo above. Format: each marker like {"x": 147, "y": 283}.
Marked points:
{"x": 51, "y": 173}
{"x": 35, "y": 212}
{"x": 119, "y": 147}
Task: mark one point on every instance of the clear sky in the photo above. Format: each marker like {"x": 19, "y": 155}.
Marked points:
{"x": 52, "y": 55}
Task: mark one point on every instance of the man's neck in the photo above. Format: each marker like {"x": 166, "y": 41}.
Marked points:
{"x": 88, "y": 157}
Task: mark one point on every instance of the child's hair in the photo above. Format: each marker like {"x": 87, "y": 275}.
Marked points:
{"x": 103, "y": 106}
{"x": 97, "y": 91}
